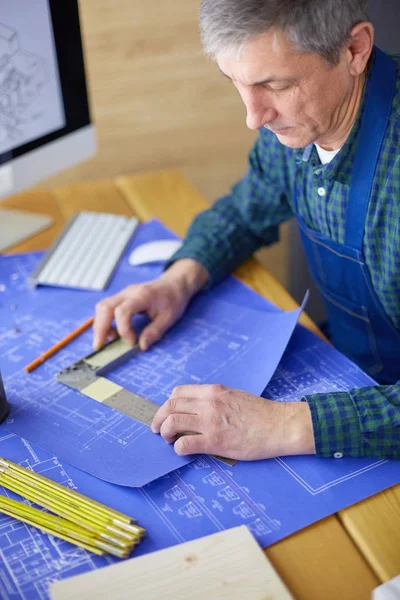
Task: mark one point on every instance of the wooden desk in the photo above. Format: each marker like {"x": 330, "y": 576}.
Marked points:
{"x": 342, "y": 557}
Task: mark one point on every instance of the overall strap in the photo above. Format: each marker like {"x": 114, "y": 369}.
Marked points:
{"x": 378, "y": 103}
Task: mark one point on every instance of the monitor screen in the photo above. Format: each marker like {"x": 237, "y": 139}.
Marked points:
{"x": 44, "y": 110}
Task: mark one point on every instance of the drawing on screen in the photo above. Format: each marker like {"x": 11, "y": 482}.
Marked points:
{"x": 22, "y": 77}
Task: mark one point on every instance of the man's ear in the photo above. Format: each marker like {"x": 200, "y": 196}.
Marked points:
{"x": 360, "y": 47}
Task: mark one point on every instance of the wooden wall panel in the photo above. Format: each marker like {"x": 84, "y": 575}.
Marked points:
{"x": 159, "y": 103}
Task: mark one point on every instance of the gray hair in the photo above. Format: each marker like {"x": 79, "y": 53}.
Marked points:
{"x": 317, "y": 26}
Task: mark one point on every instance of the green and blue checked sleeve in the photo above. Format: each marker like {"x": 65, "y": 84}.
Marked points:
{"x": 221, "y": 238}
{"x": 361, "y": 422}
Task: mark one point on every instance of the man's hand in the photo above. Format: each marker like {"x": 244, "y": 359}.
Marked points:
{"x": 163, "y": 300}
{"x": 233, "y": 423}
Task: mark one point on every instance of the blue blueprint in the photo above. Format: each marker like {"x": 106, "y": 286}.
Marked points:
{"x": 206, "y": 346}
{"x": 274, "y": 498}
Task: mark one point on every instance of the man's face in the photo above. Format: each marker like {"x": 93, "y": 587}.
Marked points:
{"x": 297, "y": 96}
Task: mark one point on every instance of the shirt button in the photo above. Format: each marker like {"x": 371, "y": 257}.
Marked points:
{"x": 321, "y": 191}
{"x": 338, "y": 455}
{"x": 318, "y": 171}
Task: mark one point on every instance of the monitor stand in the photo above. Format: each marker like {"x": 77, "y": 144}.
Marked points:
{"x": 17, "y": 225}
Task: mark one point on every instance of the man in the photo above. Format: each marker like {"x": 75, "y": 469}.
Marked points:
{"x": 327, "y": 106}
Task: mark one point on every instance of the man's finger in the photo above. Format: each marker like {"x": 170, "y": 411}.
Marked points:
{"x": 155, "y": 330}
{"x": 195, "y": 390}
{"x": 191, "y": 444}
{"x": 126, "y": 310}
{"x": 178, "y": 424}
{"x": 172, "y": 406}
{"x": 123, "y": 321}
{"x": 102, "y": 322}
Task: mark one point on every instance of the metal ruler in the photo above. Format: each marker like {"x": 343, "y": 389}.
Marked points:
{"x": 87, "y": 377}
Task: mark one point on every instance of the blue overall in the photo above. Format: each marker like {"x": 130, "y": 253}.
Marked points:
{"x": 358, "y": 324}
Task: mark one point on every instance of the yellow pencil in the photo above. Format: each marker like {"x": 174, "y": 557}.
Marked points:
{"x": 59, "y": 345}
{"x": 118, "y": 518}
{"x": 30, "y": 519}
{"x": 44, "y": 496}
{"x": 57, "y": 526}
{"x": 47, "y": 501}
{"x": 73, "y": 515}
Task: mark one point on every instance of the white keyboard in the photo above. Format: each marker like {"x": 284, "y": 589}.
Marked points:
{"x": 87, "y": 251}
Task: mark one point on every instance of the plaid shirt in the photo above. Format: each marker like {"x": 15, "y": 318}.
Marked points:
{"x": 364, "y": 421}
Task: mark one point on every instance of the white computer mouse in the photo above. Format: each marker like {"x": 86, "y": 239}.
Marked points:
{"x": 154, "y": 252}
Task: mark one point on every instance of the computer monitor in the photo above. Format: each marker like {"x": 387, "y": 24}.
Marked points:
{"x": 45, "y": 123}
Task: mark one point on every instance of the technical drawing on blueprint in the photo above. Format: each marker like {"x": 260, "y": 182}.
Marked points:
{"x": 201, "y": 498}
{"x": 206, "y": 346}
{"x": 274, "y": 498}
{"x": 171, "y": 510}
{"x": 27, "y": 67}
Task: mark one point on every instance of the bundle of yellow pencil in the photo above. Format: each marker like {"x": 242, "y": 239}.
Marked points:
{"x": 76, "y": 518}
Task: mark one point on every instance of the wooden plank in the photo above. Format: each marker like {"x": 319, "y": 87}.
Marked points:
{"x": 168, "y": 196}
{"x": 321, "y": 562}
{"x": 226, "y": 565}
{"x": 374, "y": 524}
{"x": 38, "y": 201}
{"x": 97, "y": 196}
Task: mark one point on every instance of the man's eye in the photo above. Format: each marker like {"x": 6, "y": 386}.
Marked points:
{"x": 281, "y": 88}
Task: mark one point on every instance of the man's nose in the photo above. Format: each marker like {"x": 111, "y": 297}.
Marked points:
{"x": 259, "y": 109}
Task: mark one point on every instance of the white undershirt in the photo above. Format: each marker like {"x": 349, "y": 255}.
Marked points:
{"x": 325, "y": 156}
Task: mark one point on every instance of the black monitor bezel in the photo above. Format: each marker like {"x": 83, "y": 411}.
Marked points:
{"x": 68, "y": 43}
